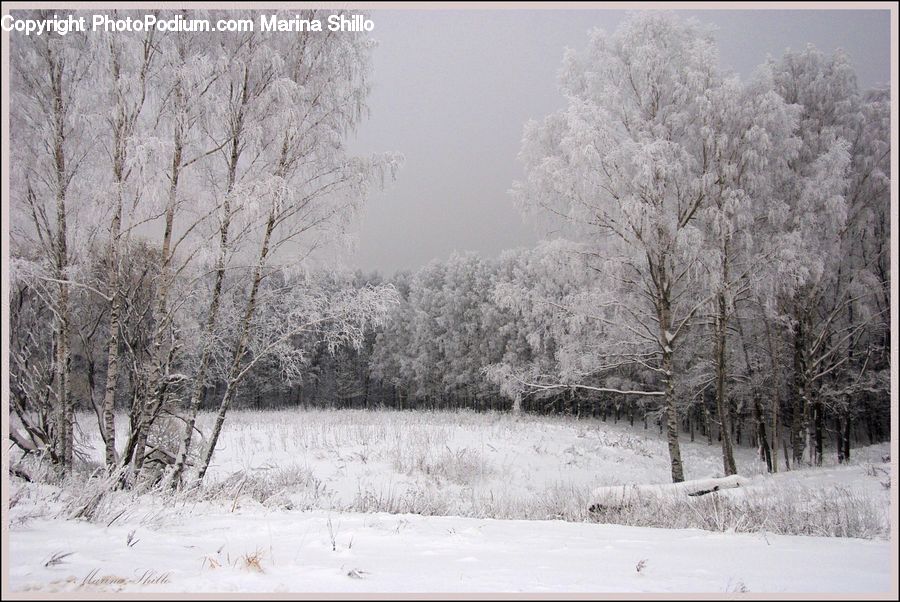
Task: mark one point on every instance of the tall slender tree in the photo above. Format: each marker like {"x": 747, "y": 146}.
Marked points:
{"x": 623, "y": 164}
{"x": 50, "y": 86}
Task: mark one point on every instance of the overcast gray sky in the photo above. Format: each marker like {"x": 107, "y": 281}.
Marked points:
{"x": 453, "y": 89}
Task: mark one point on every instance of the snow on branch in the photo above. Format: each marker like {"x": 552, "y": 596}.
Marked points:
{"x": 318, "y": 318}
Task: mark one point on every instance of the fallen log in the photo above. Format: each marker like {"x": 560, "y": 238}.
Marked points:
{"x": 619, "y": 496}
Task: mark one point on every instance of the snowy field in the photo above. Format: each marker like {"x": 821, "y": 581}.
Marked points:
{"x": 419, "y": 502}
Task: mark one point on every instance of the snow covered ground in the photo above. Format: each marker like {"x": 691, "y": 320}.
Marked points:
{"x": 400, "y": 501}
{"x": 282, "y": 551}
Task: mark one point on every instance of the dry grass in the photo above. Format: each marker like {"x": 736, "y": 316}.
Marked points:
{"x": 451, "y": 463}
{"x": 252, "y": 561}
{"x": 832, "y": 512}
{"x": 462, "y": 466}
{"x": 271, "y": 487}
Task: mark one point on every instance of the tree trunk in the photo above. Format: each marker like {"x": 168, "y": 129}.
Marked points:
{"x": 839, "y": 439}
{"x": 115, "y": 306}
{"x": 156, "y": 390}
{"x": 847, "y": 430}
{"x": 776, "y": 395}
{"x": 728, "y": 463}
{"x": 708, "y": 422}
{"x": 123, "y": 120}
{"x": 212, "y": 315}
{"x": 672, "y": 421}
{"x": 200, "y": 378}
{"x": 66, "y": 412}
{"x": 64, "y": 439}
{"x": 240, "y": 348}
{"x": 819, "y": 421}
{"x": 764, "y": 450}
{"x": 112, "y": 375}
{"x": 798, "y": 420}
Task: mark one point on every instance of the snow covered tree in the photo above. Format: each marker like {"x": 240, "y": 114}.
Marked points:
{"x": 124, "y": 76}
{"x": 50, "y": 84}
{"x": 306, "y": 189}
{"x": 235, "y": 108}
{"x": 816, "y": 286}
{"x": 747, "y": 132}
{"x": 189, "y": 71}
{"x": 623, "y": 164}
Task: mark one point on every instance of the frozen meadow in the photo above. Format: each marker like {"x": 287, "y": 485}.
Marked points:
{"x": 188, "y": 226}
{"x": 452, "y": 501}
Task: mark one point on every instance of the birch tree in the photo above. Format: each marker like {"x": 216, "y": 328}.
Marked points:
{"x": 237, "y": 105}
{"x": 49, "y": 87}
{"x": 814, "y": 216}
{"x": 308, "y": 187}
{"x": 747, "y": 132}
{"x": 191, "y": 69}
{"x": 621, "y": 164}
{"x": 126, "y": 68}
